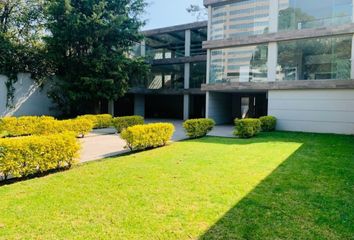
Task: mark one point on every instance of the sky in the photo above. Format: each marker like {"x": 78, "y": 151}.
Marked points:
{"x": 164, "y": 13}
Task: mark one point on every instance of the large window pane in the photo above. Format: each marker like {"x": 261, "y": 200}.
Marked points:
{"x": 310, "y": 59}
{"x": 198, "y": 36}
{"x": 241, "y": 64}
{"x": 239, "y": 19}
{"x": 166, "y": 76}
{"x": 302, "y": 14}
{"x": 166, "y": 46}
{"x": 198, "y": 74}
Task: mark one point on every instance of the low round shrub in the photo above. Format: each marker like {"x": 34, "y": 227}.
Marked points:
{"x": 24, "y": 156}
{"x": 268, "y": 123}
{"x": 200, "y": 127}
{"x": 247, "y": 128}
{"x": 121, "y": 123}
{"x": 79, "y": 126}
{"x": 99, "y": 121}
{"x": 141, "y": 137}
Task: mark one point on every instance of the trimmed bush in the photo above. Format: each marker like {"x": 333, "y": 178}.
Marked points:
{"x": 141, "y": 137}
{"x": 247, "y": 128}
{"x": 99, "y": 121}
{"x": 195, "y": 128}
{"x": 120, "y": 123}
{"x": 24, "y": 156}
{"x": 22, "y": 126}
{"x": 80, "y": 127}
{"x": 268, "y": 123}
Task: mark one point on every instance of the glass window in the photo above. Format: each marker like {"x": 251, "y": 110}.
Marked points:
{"x": 166, "y": 76}
{"x": 166, "y": 46}
{"x": 310, "y": 59}
{"x": 198, "y": 36}
{"x": 198, "y": 74}
{"x": 302, "y": 14}
{"x": 241, "y": 64}
{"x": 239, "y": 19}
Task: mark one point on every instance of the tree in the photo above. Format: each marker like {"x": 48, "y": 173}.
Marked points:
{"x": 200, "y": 13}
{"x": 89, "y": 42}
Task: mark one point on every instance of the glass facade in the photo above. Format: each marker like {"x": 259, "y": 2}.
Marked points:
{"x": 240, "y": 64}
{"x": 198, "y": 74}
{"x": 166, "y": 76}
{"x": 240, "y": 19}
{"x": 303, "y": 14}
{"x": 166, "y": 46}
{"x": 311, "y": 59}
{"x": 198, "y": 36}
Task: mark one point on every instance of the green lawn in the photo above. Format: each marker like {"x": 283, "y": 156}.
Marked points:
{"x": 276, "y": 186}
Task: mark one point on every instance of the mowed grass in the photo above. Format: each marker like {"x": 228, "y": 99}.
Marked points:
{"x": 276, "y": 186}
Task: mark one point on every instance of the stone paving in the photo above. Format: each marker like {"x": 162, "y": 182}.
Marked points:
{"x": 103, "y": 143}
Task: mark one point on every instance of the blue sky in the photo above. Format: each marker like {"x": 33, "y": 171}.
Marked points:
{"x": 164, "y": 13}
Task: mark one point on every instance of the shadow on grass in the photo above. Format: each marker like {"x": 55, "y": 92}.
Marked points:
{"x": 309, "y": 196}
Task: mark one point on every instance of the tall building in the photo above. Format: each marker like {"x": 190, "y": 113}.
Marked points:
{"x": 287, "y": 58}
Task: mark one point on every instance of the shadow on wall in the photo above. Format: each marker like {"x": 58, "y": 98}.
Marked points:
{"x": 29, "y": 99}
{"x": 308, "y": 196}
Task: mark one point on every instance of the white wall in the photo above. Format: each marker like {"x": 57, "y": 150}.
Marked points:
{"x": 219, "y": 107}
{"x": 322, "y": 111}
{"x": 29, "y": 98}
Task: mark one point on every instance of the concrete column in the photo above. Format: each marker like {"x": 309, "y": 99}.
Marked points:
{"x": 187, "y": 43}
{"x": 208, "y": 67}
{"x": 187, "y": 74}
{"x": 139, "y": 105}
{"x": 272, "y": 61}
{"x": 273, "y": 15}
{"x": 219, "y": 107}
{"x": 186, "y": 107}
{"x": 209, "y": 22}
{"x": 352, "y": 10}
{"x": 111, "y": 107}
{"x": 3, "y": 95}
{"x": 352, "y": 60}
{"x": 207, "y": 96}
{"x": 143, "y": 48}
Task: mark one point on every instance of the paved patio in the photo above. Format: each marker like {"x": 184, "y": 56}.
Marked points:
{"x": 103, "y": 143}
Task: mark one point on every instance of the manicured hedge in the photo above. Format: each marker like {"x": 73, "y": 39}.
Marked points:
{"x": 23, "y": 156}
{"x": 21, "y": 126}
{"x": 25, "y": 126}
{"x": 147, "y": 136}
{"x": 268, "y": 123}
{"x": 247, "y": 128}
{"x": 195, "y": 128}
{"x": 121, "y": 123}
{"x": 99, "y": 121}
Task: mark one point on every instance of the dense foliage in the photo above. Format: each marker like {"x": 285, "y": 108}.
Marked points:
{"x": 195, "y": 128}
{"x": 141, "y": 137}
{"x": 24, "y": 156}
{"x": 269, "y": 123}
{"x": 89, "y": 42}
{"x": 99, "y": 121}
{"x": 247, "y": 128}
{"x": 120, "y": 123}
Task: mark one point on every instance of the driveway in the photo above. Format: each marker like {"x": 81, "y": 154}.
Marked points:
{"x": 104, "y": 143}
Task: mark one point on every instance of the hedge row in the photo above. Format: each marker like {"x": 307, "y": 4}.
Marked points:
{"x": 25, "y": 126}
{"x": 200, "y": 127}
{"x": 249, "y": 127}
{"x": 141, "y": 137}
{"x": 23, "y": 156}
{"x": 99, "y": 121}
{"x": 120, "y": 123}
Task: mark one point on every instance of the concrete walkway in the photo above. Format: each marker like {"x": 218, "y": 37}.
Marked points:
{"x": 103, "y": 143}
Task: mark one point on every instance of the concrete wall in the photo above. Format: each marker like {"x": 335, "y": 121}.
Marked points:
{"x": 322, "y": 111}
{"x": 219, "y": 107}
{"x": 29, "y": 98}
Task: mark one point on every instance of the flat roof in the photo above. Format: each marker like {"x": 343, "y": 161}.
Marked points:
{"x": 176, "y": 28}
{"x": 219, "y": 2}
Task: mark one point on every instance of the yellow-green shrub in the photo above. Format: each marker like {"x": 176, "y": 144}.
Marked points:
{"x": 99, "y": 121}
{"x": 147, "y": 136}
{"x": 22, "y": 126}
{"x": 247, "y": 128}
{"x": 268, "y": 123}
{"x": 24, "y": 156}
{"x": 198, "y": 127}
{"x": 121, "y": 123}
{"x": 79, "y": 126}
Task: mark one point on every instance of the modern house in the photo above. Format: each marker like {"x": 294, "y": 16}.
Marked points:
{"x": 287, "y": 58}
{"x": 178, "y": 68}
